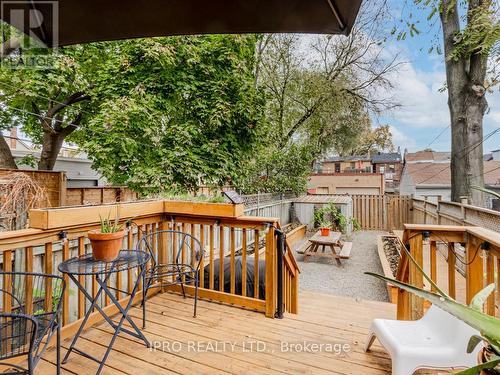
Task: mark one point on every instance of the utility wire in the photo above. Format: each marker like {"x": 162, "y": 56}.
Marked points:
{"x": 438, "y": 136}
{"x": 464, "y": 154}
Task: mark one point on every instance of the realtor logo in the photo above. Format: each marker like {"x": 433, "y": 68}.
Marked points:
{"x": 39, "y": 21}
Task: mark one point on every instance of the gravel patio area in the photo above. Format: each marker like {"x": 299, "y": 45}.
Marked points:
{"x": 325, "y": 276}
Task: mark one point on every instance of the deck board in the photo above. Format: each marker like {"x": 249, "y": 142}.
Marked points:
{"x": 322, "y": 319}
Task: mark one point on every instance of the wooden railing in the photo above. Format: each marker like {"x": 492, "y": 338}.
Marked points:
{"x": 451, "y": 213}
{"x": 41, "y": 250}
{"x": 437, "y": 249}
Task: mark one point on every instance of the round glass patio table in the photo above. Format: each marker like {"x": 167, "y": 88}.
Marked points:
{"x": 87, "y": 265}
{"x": 102, "y": 271}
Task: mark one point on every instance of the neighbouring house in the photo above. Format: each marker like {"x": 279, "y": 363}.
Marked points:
{"x": 493, "y": 155}
{"x": 427, "y": 174}
{"x": 346, "y": 183}
{"x": 391, "y": 166}
{"x": 342, "y": 164}
{"x": 77, "y": 166}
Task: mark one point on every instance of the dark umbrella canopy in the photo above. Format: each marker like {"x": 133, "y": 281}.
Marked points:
{"x": 66, "y": 22}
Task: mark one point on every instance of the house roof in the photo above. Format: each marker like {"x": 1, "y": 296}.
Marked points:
{"x": 347, "y": 158}
{"x": 427, "y": 156}
{"x": 386, "y": 157}
{"x": 427, "y": 173}
{"x": 324, "y": 198}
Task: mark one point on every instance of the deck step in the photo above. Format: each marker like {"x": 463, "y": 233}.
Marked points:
{"x": 345, "y": 252}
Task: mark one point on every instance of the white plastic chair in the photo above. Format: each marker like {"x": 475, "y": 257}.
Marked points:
{"x": 438, "y": 340}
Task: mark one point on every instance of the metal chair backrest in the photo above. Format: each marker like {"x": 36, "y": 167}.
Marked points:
{"x": 177, "y": 247}
{"x": 31, "y": 293}
{"x": 17, "y": 335}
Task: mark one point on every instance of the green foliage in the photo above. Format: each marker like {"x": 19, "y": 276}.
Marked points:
{"x": 193, "y": 198}
{"x": 26, "y": 93}
{"x": 313, "y": 106}
{"x": 39, "y": 294}
{"x": 108, "y": 225}
{"x": 481, "y": 34}
{"x": 174, "y": 113}
{"x": 331, "y": 216}
{"x": 370, "y": 141}
{"x": 274, "y": 169}
{"x": 28, "y": 160}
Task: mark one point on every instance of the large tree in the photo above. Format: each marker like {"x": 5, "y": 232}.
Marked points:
{"x": 470, "y": 34}
{"x": 154, "y": 114}
{"x": 466, "y": 51}
{"x": 174, "y": 113}
{"x": 321, "y": 92}
{"x": 49, "y": 103}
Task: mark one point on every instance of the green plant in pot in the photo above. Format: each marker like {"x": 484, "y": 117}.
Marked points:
{"x": 338, "y": 220}
{"x": 106, "y": 241}
{"x": 473, "y": 315}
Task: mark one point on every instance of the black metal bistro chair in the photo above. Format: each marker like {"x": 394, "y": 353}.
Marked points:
{"x": 30, "y": 316}
{"x": 175, "y": 260}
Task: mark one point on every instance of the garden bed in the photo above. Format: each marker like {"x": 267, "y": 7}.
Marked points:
{"x": 389, "y": 249}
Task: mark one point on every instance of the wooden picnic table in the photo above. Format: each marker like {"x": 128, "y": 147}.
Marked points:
{"x": 333, "y": 242}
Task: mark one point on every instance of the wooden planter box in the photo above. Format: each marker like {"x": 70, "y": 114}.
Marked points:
{"x": 51, "y": 218}
{"x": 391, "y": 290}
{"x": 296, "y": 234}
{"x": 223, "y": 210}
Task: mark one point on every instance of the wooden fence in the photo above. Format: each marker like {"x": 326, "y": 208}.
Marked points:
{"x": 98, "y": 195}
{"x": 54, "y": 184}
{"x": 382, "y": 212}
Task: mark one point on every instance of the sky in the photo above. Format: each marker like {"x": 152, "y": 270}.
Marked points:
{"x": 424, "y": 112}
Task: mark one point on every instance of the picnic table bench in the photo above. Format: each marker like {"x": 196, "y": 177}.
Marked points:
{"x": 333, "y": 242}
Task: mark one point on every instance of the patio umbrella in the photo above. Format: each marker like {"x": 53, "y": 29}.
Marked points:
{"x": 65, "y": 22}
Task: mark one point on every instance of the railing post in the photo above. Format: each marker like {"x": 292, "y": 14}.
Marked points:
{"x": 425, "y": 209}
{"x": 463, "y": 201}
{"x": 474, "y": 269}
{"x": 271, "y": 286}
{"x": 438, "y": 209}
{"x": 415, "y": 276}
{"x": 279, "y": 273}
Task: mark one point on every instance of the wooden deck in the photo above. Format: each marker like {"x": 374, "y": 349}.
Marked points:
{"x": 323, "y": 319}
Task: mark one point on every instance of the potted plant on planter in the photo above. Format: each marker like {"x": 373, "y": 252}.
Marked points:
{"x": 106, "y": 241}
{"x": 488, "y": 326}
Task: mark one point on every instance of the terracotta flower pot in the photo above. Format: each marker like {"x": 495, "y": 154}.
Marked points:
{"x": 106, "y": 246}
{"x": 325, "y": 231}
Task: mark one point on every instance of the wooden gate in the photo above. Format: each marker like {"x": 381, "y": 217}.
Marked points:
{"x": 383, "y": 212}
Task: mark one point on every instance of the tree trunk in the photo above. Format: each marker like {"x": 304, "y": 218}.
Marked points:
{"x": 52, "y": 143}
{"x": 6, "y": 158}
{"x": 9, "y": 46}
{"x": 466, "y": 105}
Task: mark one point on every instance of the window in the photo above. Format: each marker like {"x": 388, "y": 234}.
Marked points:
{"x": 392, "y": 168}
{"x": 337, "y": 167}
